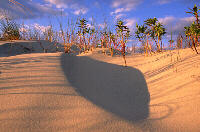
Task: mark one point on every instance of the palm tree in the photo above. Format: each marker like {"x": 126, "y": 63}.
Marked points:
{"x": 193, "y": 31}
{"x": 141, "y": 35}
{"x": 121, "y": 28}
{"x": 152, "y": 23}
{"x": 159, "y": 32}
{"x": 156, "y": 30}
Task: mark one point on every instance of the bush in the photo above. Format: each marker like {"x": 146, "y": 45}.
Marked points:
{"x": 9, "y": 28}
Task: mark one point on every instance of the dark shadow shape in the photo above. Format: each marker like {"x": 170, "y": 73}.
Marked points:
{"x": 119, "y": 90}
{"x": 15, "y": 50}
{"x": 19, "y": 48}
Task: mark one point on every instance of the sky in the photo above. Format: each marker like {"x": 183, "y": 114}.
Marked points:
{"x": 172, "y": 13}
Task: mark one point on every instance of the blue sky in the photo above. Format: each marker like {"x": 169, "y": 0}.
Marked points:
{"x": 170, "y": 12}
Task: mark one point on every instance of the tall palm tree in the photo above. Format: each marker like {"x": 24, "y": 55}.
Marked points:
{"x": 141, "y": 34}
{"x": 152, "y": 23}
{"x": 159, "y": 32}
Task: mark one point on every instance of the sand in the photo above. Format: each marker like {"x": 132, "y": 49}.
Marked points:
{"x": 94, "y": 92}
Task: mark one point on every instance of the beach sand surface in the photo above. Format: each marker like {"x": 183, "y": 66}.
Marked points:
{"x": 95, "y": 92}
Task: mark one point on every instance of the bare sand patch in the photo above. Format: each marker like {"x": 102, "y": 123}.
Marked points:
{"x": 93, "y": 92}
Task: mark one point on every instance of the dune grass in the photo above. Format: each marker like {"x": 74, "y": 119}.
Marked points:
{"x": 89, "y": 36}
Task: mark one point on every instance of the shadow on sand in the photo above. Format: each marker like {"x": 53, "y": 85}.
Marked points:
{"x": 20, "y": 47}
{"x": 120, "y": 90}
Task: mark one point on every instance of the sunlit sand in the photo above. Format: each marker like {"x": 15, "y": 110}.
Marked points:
{"x": 95, "y": 92}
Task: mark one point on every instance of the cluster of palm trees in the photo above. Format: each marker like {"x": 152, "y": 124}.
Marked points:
{"x": 148, "y": 33}
{"x": 152, "y": 31}
{"x": 192, "y": 32}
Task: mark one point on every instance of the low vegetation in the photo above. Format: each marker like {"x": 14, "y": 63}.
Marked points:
{"x": 88, "y": 36}
{"x": 9, "y": 28}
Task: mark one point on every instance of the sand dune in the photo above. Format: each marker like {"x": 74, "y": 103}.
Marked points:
{"x": 93, "y": 92}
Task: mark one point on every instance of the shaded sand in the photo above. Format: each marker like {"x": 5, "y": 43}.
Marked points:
{"x": 93, "y": 92}
{"x": 18, "y": 47}
{"x": 120, "y": 90}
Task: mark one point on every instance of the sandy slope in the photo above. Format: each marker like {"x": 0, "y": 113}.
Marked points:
{"x": 17, "y": 47}
{"x": 93, "y": 92}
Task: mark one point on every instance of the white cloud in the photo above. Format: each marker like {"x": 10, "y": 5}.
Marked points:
{"x": 64, "y": 3}
{"x": 181, "y": 22}
{"x": 166, "y": 19}
{"x": 119, "y": 16}
{"x": 23, "y": 30}
{"x": 77, "y": 12}
{"x": 111, "y": 13}
{"x": 118, "y": 10}
{"x": 175, "y": 25}
{"x": 116, "y": 4}
{"x": 37, "y": 9}
{"x": 58, "y": 3}
{"x": 83, "y": 11}
{"x": 40, "y": 28}
{"x": 90, "y": 19}
{"x": 90, "y": 26}
{"x": 126, "y": 4}
{"x": 96, "y": 4}
{"x": 162, "y": 1}
{"x": 34, "y": 27}
{"x": 102, "y": 25}
{"x": 74, "y": 6}
{"x": 48, "y": 5}
{"x": 131, "y": 24}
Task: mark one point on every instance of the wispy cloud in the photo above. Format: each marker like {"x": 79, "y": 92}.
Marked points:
{"x": 38, "y": 27}
{"x": 191, "y": 1}
{"x": 76, "y": 5}
{"x": 126, "y": 4}
{"x": 118, "y": 16}
{"x": 58, "y": 3}
{"x": 166, "y": 20}
{"x": 118, "y": 10}
{"x": 82, "y": 11}
{"x": 131, "y": 24}
{"x": 63, "y": 3}
{"x": 161, "y": 2}
{"x": 38, "y": 10}
{"x": 34, "y": 28}
{"x": 96, "y": 4}
{"x": 175, "y": 25}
